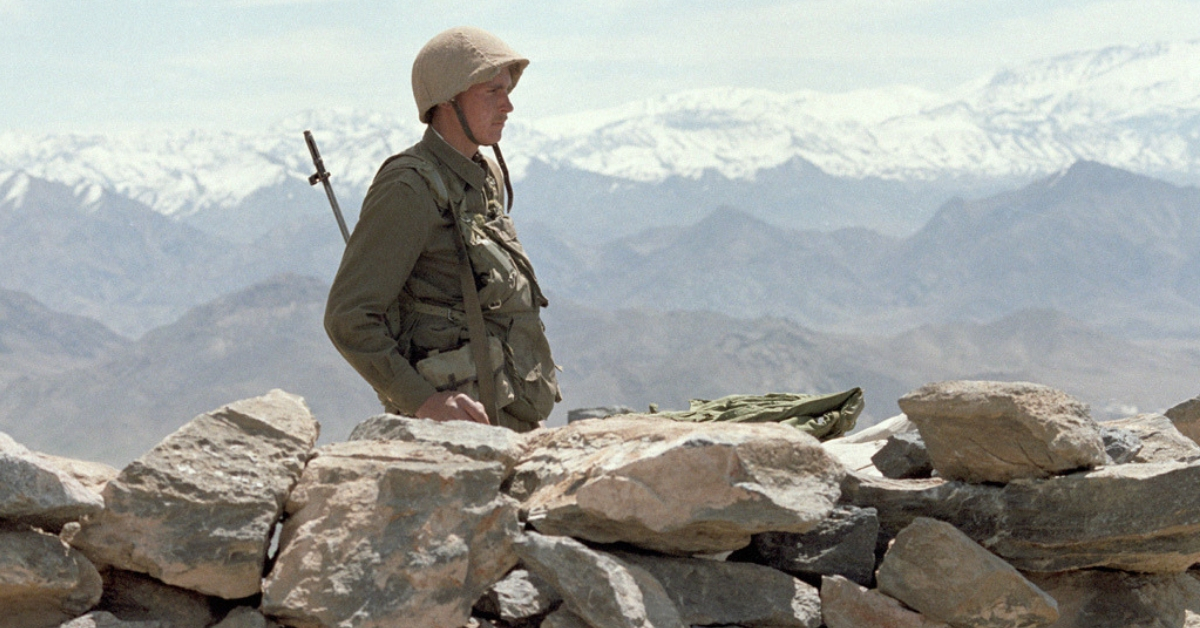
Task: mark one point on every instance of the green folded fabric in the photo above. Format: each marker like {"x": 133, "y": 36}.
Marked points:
{"x": 823, "y": 416}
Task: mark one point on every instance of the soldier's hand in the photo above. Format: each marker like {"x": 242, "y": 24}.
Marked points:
{"x": 452, "y": 406}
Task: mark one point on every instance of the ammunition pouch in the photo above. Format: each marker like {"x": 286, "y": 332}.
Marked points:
{"x": 455, "y": 370}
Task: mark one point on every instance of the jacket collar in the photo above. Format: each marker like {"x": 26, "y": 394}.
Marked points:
{"x": 469, "y": 170}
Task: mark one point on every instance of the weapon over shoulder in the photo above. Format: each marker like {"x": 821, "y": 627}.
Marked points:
{"x": 323, "y": 176}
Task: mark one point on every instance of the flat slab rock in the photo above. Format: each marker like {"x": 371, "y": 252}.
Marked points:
{"x": 1141, "y": 517}
{"x": 675, "y": 487}
{"x": 1001, "y": 431}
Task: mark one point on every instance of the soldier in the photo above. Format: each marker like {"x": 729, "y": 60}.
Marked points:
{"x": 434, "y": 289}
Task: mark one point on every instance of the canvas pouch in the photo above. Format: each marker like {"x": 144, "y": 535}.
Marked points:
{"x": 455, "y": 370}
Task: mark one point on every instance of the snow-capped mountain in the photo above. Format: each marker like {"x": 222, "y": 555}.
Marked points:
{"x": 1136, "y": 108}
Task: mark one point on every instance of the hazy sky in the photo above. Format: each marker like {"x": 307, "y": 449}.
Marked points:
{"x": 92, "y": 65}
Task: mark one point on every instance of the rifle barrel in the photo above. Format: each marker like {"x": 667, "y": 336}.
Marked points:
{"x": 323, "y": 176}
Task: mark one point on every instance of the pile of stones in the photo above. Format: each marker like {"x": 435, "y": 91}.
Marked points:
{"x": 984, "y": 504}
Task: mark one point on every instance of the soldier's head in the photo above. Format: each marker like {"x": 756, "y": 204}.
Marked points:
{"x": 461, "y": 80}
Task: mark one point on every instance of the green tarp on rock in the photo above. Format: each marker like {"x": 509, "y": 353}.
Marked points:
{"x": 823, "y": 416}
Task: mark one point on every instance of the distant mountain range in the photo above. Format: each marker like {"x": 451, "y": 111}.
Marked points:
{"x": 118, "y": 400}
{"x": 790, "y": 159}
{"x": 1086, "y": 280}
{"x": 1111, "y": 248}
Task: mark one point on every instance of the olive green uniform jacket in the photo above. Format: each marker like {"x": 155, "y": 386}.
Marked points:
{"x": 403, "y": 253}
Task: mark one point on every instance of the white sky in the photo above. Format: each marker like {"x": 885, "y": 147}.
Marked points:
{"x": 114, "y": 65}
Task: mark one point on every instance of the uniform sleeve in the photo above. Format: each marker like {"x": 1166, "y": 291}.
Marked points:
{"x": 392, "y": 230}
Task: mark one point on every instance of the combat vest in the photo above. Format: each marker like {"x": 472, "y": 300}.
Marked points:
{"x": 510, "y": 297}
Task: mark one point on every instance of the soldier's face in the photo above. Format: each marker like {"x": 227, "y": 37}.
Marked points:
{"x": 486, "y": 107}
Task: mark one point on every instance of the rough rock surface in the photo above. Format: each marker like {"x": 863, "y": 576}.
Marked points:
{"x": 1186, "y": 417}
{"x": 473, "y": 440}
{"x": 37, "y": 492}
{"x": 104, "y": 619}
{"x": 937, "y": 570}
{"x": 245, "y": 617}
{"x": 597, "y": 587}
{"x": 132, "y": 596}
{"x": 842, "y": 544}
{"x": 845, "y": 604}
{"x": 714, "y": 593}
{"x": 94, "y": 476}
{"x": 857, "y": 457}
{"x": 42, "y": 582}
{"x": 1161, "y": 441}
{"x": 975, "y": 509}
{"x": 1115, "y": 599}
{"x": 390, "y": 533}
{"x": 675, "y": 487}
{"x": 1133, "y": 517}
{"x": 198, "y": 510}
{"x": 1121, "y": 445}
{"x": 415, "y": 522}
{"x": 903, "y": 456}
{"x": 1111, "y": 517}
{"x": 563, "y": 618}
{"x": 519, "y": 596}
{"x": 1002, "y": 431}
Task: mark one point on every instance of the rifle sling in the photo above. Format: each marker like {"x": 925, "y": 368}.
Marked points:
{"x": 485, "y": 375}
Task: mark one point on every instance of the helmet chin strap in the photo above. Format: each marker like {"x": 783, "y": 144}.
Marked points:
{"x": 466, "y": 127}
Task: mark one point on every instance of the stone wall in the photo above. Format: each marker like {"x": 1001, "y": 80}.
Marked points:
{"x": 985, "y": 504}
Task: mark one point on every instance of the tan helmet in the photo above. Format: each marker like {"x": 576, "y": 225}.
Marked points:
{"x": 456, "y": 59}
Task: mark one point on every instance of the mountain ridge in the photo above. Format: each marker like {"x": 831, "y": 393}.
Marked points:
{"x": 1134, "y": 107}
{"x": 269, "y": 336}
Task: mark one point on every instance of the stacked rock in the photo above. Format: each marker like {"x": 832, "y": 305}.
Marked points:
{"x": 1006, "y": 507}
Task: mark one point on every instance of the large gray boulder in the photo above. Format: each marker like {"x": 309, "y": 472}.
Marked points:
{"x": 43, "y": 582}
{"x": 198, "y": 510}
{"x": 597, "y": 587}
{"x": 390, "y": 533}
{"x": 675, "y": 487}
{"x": 717, "y": 593}
{"x": 1001, "y": 431}
{"x": 1132, "y": 517}
{"x": 1116, "y": 599}
{"x": 939, "y": 571}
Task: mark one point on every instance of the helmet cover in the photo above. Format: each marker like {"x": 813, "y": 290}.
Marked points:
{"x": 456, "y": 59}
